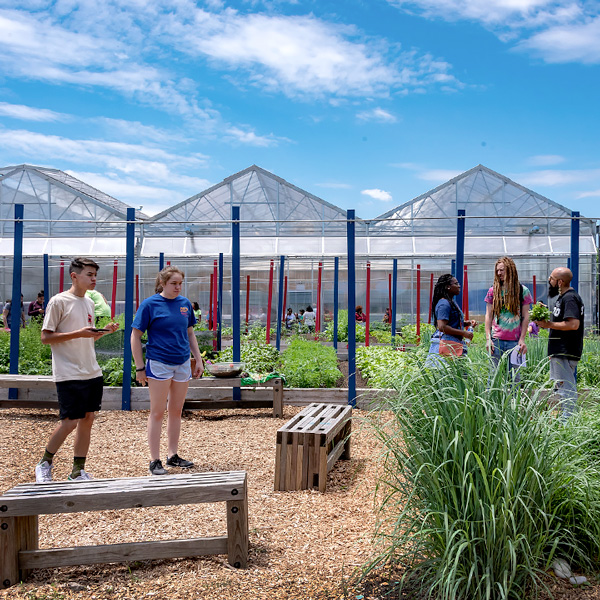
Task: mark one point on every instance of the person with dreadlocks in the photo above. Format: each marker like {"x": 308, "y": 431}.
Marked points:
{"x": 450, "y": 335}
{"x": 507, "y": 311}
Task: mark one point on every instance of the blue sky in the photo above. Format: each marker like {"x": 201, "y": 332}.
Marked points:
{"x": 366, "y": 104}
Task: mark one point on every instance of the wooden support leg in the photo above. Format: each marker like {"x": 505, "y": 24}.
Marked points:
{"x": 278, "y": 398}
{"x": 237, "y": 533}
{"x": 16, "y": 534}
{"x": 347, "y": 434}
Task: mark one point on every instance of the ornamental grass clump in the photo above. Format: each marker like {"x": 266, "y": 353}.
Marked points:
{"x": 480, "y": 488}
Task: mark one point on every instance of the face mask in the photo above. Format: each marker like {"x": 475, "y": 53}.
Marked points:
{"x": 552, "y": 290}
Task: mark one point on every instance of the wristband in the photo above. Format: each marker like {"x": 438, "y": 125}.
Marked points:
{"x": 140, "y": 369}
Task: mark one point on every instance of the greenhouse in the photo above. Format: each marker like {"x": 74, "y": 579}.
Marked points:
{"x": 64, "y": 217}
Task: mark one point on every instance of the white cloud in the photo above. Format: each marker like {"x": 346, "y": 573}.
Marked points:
{"x": 546, "y": 160}
{"x": 557, "y": 31}
{"x": 377, "y": 114}
{"x": 438, "y": 175}
{"x": 335, "y": 186}
{"x": 250, "y": 138}
{"x": 377, "y": 194}
{"x": 578, "y": 42}
{"x": 303, "y": 55}
{"x": 554, "y": 177}
{"x": 29, "y": 113}
{"x": 154, "y": 165}
{"x": 589, "y": 194}
{"x": 135, "y": 193}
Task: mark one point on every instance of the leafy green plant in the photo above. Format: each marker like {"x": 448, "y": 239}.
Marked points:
{"x": 539, "y": 312}
{"x": 409, "y": 333}
{"x": 343, "y": 329}
{"x": 481, "y": 487}
{"x": 112, "y": 372}
{"x": 257, "y": 358}
{"x": 309, "y": 364}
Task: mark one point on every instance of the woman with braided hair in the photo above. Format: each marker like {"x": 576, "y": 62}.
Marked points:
{"x": 507, "y": 311}
{"x": 449, "y": 321}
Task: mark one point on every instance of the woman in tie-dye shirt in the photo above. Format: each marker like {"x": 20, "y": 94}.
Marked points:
{"x": 507, "y": 311}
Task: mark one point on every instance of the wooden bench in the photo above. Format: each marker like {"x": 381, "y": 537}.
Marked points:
{"x": 45, "y": 382}
{"x": 309, "y": 445}
{"x": 20, "y": 507}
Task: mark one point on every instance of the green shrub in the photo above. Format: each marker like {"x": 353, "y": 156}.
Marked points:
{"x": 112, "y": 372}
{"x": 343, "y": 329}
{"x": 309, "y": 364}
{"x": 385, "y": 367}
{"x": 481, "y": 487}
{"x": 409, "y": 333}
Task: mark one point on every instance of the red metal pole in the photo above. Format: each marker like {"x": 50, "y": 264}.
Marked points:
{"x": 210, "y": 306}
{"x": 113, "y": 306}
{"x": 137, "y": 292}
{"x": 269, "y": 303}
{"x": 534, "y": 291}
{"x": 215, "y": 306}
{"x": 466, "y": 294}
{"x": 247, "y": 300}
{"x": 284, "y": 298}
{"x": 430, "y": 297}
{"x": 168, "y": 263}
{"x": 319, "y": 303}
{"x": 418, "y": 303}
{"x": 61, "y": 280}
{"x": 390, "y": 292}
{"x": 368, "y": 304}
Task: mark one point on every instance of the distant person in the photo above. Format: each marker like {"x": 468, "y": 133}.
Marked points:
{"x": 290, "y": 319}
{"x": 7, "y": 314}
{"x": 301, "y": 317}
{"x": 36, "y": 308}
{"x": 197, "y": 312}
{"x": 101, "y": 307}
{"x": 507, "y": 311}
{"x": 359, "y": 315}
{"x": 565, "y": 340}
{"x": 450, "y": 335}
{"x": 309, "y": 318}
{"x": 169, "y": 320}
{"x": 69, "y": 329}
{"x": 387, "y": 317}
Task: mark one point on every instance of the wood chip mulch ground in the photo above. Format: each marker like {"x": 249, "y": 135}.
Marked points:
{"x": 303, "y": 545}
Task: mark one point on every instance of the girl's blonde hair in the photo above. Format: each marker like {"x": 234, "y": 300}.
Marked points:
{"x": 164, "y": 276}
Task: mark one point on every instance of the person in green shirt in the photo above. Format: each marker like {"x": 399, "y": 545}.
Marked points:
{"x": 197, "y": 311}
{"x": 101, "y": 308}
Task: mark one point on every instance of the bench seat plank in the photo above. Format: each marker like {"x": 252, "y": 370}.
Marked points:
{"x": 109, "y": 494}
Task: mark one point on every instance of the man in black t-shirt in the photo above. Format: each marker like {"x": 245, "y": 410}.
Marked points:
{"x": 565, "y": 342}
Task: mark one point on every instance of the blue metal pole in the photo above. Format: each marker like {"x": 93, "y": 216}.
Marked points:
{"x": 46, "y": 281}
{"x": 235, "y": 290}
{"x": 460, "y": 252}
{"x": 336, "y": 279}
{"x": 575, "y": 248}
{"x": 280, "y": 307}
{"x": 15, "y": 324}
{"x": 453, "y": 267}
{"x": 129, "y": 284}
{"x": 351, "y": 229}
{"x": 394, "y": 298}
{"x": 220, "y": 303}
{"x": 161, "y": 261}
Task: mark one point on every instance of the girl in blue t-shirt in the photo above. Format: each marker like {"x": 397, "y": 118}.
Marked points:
{"x": 448, "y": 318}
{"x": 169, "y": 320}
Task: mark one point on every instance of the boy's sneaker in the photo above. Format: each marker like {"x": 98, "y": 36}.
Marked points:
{"x": 43, "y": 472}
{"x": 156, "y": 468}
{"x": 176, "y": 461}
{"x": 83, "y": 476}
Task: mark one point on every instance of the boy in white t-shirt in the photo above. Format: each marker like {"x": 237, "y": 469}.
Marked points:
{"x": 69, "y": 328}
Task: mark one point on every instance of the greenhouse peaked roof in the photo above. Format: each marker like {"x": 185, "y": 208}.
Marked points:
{"x": 59, "y": 199}
{"x": 269, "y": 205}
{"x": 494, "y": 205}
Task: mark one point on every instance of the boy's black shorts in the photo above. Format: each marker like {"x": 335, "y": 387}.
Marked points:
{"x": 78, "y": 397}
